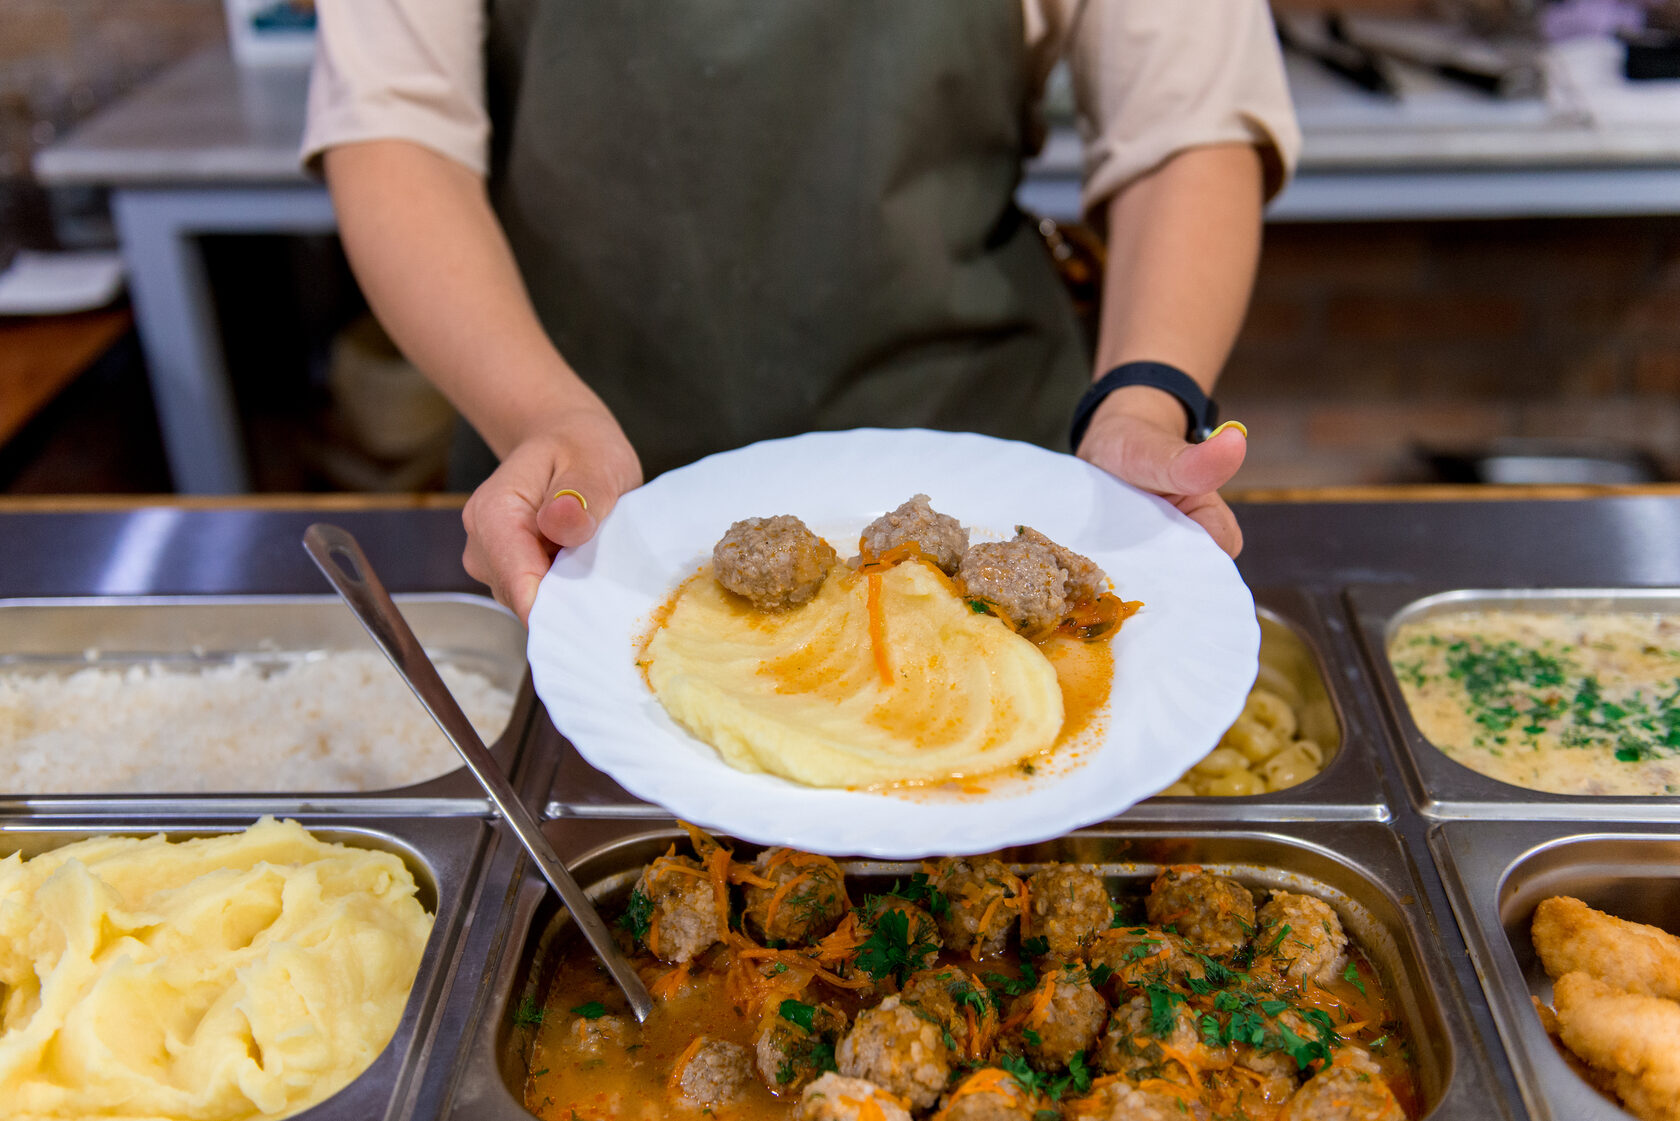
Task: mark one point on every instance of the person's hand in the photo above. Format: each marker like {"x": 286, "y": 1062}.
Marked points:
{"x": 518, "y": 518}
{"x": 1137, "y": 435}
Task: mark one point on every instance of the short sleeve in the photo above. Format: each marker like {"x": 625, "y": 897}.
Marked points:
{"x": 1155, "y": 77}
{"x": 399, "y": 70}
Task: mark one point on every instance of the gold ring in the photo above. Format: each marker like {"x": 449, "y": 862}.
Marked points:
{"x": 1237, "y": 424}
{"x": 582, "y": 501}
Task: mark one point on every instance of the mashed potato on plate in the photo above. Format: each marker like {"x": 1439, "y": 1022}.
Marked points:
{"x": 940, "y": 692}
{"x": 241, "y": 976}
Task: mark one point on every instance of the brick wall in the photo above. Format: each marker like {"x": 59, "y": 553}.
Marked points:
{"x": 60, "y": 62}
{"x": 1365, "y": 339}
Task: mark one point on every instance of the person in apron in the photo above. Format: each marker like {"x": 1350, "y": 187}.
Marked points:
{"x": 701, "y": 224}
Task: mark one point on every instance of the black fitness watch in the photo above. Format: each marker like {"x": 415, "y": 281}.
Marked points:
{"x": 1200, "y": 412}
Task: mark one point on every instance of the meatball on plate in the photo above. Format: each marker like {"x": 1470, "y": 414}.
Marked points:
{"x": 1175, "y": 676}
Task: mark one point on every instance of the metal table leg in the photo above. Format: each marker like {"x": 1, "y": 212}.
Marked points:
{"x": 176, "y": 317}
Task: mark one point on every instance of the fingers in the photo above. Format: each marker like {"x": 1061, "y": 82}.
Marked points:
{"x": 548, "y": 494}
{"x": 504, "y": 548}
{"x": 1189, "y": 475}
{"x": 1159, "y": 461}
{"x": 1211, "y": 513}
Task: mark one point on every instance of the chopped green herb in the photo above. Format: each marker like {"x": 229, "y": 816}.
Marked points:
{"x": 1351, "y": 974}
{"x": 594, "y": 1010}
{"x": 1161, "y": 1001}
{"x": 528, "y": 1014}
{"x": 798, "y": 1013}
{"x": 889, "y": 951}
{"x": 638, "y": 913}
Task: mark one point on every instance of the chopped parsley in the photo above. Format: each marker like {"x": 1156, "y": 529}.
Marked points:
{"x": 798, "y": 1013}
{"x": 594, "y": 1010}
{"x": 1351, "y": 975}
{"x": 638, "y": 914}
{"x": 889, "y": 951}
{"x": 1014, "y": 986}
{"x": 1161, "y": 1001}
{"x": 920, "y": 891}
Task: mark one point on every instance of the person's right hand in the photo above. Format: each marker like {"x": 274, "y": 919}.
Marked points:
{"x": 515, "y": 523}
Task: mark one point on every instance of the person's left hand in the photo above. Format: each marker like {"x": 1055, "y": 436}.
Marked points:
{"x": 1137, "y": 435}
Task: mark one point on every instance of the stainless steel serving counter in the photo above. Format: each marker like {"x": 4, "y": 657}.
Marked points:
{"x": 1330, "y": 566}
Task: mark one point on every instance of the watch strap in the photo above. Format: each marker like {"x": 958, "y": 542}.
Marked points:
{"x": 1201, "y": 414}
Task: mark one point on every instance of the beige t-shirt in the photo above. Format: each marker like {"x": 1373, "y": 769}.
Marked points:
{"x": 1150, "y": 78}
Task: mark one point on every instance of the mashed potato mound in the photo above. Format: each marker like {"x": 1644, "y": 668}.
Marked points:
{"x": 249, "y": 975}
{"x": 800, "y": 694}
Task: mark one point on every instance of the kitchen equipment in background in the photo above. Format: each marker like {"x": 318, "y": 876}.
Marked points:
{"x": 271, "y": 32}
{"x": 1374, "y": 54}
{"x": 1524, "y": 461}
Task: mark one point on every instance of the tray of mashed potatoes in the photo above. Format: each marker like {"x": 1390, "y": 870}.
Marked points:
{"x": 137, "y": 705}
{"x": 1122, "y": 972}
{"x": 1577, "y": 938}
{"x": 1532, "y": 702}
{"x": 220, "y": 973}
{"x": 790, "y": 643}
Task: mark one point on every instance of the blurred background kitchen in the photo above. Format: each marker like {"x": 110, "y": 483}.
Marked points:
{"x": 1474, "y": 277}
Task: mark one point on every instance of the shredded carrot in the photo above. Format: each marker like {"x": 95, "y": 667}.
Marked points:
{"x": 1172, "y": 1089}
{"x": 742, "y": 874}
{"x": 671, "y": 982}
{"x": 781, "y": 894}
{"x": 718, "y": 866}
{"x": 793, "y": 960}
{"x": 867, "y": 1110}
{"x": 674, "y": 1082}
{"x": 878, "y": 629}
{"x": 990, "y": 1080}
{"x": 985, "y": 920}
{"x": 842, "y": 942}
{"x": 973, "y": 1042}
{"x": 1026, "y": 910}
{"x": 1191, "y": 1067}
{"x": 1041, "y": 998}
{"x": 898, "y": 554}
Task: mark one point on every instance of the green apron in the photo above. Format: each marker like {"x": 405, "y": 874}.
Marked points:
{"x": 741, "y": 219}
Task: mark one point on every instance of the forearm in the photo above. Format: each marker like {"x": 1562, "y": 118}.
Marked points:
{"x": 1184, "y": 242}
{"x": 436, "y": 268}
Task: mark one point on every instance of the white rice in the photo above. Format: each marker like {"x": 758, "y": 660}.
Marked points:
{"x": 340, "y": 721}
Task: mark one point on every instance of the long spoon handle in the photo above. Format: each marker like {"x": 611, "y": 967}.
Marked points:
{"x": 343, "y": 563}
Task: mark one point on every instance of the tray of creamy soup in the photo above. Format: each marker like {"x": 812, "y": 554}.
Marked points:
{"x": 1108, "y": 973}
{"x": 117, "y": 706}
{"x": 225, "y": 971}
{"x": 1550, "y": 702}
{"x": 1577, "y": 938}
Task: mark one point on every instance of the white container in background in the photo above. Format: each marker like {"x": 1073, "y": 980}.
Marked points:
{"x": 271, "y": 32}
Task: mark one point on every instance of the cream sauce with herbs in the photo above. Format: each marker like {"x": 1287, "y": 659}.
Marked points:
{"x": 1565, "y": 703}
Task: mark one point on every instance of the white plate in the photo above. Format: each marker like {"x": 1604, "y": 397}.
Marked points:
{"x": 1182, "y": 665}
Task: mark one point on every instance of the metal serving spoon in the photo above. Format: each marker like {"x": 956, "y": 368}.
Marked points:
{"x": 343, "y": 563}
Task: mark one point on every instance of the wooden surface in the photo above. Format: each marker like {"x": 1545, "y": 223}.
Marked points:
{"x": 434, "y": 501}
{"x": 40, "y": 356}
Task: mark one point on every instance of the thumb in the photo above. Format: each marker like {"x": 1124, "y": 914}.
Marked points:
{"x": 1164, "y": 463}
{"x": 576, "y": 503}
